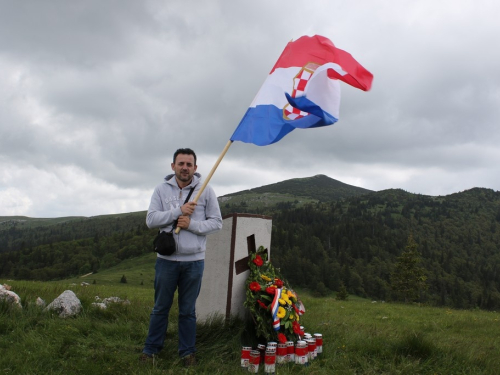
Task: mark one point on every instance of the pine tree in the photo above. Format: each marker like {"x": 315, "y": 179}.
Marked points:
{"x": 342, "y": 294}
{"x": 409, "y": 279}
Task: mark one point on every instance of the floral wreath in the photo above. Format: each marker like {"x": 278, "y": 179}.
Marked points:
{"x": 274, "y": 306}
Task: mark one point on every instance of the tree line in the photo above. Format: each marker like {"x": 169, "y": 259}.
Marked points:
{"x": 356, "y": 242}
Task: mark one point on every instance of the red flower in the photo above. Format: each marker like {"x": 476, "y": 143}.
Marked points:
{"x": 258, "y": 261}
{"x": 296, "y": 328}
{"x": 254, "y": 286}
{"x": 281, "y": 338}
{"x": 261, "y": 304}
{"x": 278, "y": 283}
{"x": 270, "y": 290}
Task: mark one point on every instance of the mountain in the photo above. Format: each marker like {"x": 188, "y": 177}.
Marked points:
{"x": 319, "y": 187}
{"x": 325, "y": 234}
{"x": 288, "y": 193}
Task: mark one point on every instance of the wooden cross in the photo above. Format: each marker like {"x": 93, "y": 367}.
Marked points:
{"x": 242, "y": 264}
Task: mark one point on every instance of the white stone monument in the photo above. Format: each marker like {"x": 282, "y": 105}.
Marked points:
{"x": 226, "y": 264}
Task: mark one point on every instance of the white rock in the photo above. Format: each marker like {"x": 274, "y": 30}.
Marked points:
{"x": 84, "y": 284}
{"x": 103, "y": 304}
{"x": 9, "y": 296}
{"x": 67, "y": 304}
{"x": 40, "y": 302}
{"x": 110, "y": 300}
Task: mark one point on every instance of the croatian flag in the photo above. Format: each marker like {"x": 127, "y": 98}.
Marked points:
{"x": 301, "y": 91}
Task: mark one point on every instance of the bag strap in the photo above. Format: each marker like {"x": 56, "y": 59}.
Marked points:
{"x": 189, "y": 195}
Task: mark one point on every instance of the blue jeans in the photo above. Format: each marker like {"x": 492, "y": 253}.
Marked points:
{"x": 168, "y": 277}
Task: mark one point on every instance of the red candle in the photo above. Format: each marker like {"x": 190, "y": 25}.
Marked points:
{"x": 245, "y": 356}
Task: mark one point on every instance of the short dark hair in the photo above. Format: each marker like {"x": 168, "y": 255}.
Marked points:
{"x": 185, "y": 151}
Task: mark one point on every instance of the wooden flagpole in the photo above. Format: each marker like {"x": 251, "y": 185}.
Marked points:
{"x": 205, "y": 183}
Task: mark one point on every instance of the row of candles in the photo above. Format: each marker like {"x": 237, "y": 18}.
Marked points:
{"x": 301, "y": 353}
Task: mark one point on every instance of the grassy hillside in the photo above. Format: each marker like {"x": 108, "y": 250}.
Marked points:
{"x": 138, "y": 271}
{"x": 294, "y": 193}
{"x": 299, "y": 191}
{"x": 320, "y": 187}
{"x": 360, "y": 336}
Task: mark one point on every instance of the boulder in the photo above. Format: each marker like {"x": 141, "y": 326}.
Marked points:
{"x": 67, "y": 304}
{"x": 40, "y": 302}
{"x": 9, "y": 296}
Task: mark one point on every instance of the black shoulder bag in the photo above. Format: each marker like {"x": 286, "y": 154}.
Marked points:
{"x": 164, "y": 243}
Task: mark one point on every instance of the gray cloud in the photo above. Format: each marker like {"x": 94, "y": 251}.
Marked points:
{"x": 96, "y": 96}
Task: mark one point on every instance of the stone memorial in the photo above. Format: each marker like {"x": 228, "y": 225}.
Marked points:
{"x": 226, "y": 264}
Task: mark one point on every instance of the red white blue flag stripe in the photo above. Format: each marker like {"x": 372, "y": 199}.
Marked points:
{"x": 301, "y": 91}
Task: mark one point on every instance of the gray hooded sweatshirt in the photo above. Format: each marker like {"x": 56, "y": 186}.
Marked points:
{"x": 165, "y": 208}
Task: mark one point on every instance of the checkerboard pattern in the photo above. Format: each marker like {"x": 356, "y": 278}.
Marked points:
{"x": 299, "y": 86}
{"x": 291, "y": 113}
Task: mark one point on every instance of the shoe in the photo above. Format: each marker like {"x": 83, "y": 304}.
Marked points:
{"x": 144, "y": 357}
{"x": 189, "y": 360}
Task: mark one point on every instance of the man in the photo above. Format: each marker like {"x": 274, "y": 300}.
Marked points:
{"x": 184, "y": 268}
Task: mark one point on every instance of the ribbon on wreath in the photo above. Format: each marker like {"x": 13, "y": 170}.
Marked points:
{"x": 274, "y": 309}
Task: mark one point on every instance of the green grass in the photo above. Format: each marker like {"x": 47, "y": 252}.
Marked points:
{"x": 263, "y": 200}
{"x": 138, "y": 272}
{"x": 360, "y": 337}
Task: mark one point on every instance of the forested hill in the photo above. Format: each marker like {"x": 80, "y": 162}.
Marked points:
{"x": 20, "y": 232}
{"x": 357, "y": 242}
{"x": 318, "y": 242}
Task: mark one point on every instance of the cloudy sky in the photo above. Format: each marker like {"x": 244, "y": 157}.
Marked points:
{"x": 95, "y": 96}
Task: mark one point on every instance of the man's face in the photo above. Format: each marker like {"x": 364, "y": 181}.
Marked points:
{"x": 184, "y": 169}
